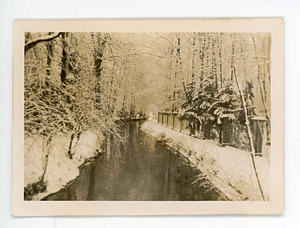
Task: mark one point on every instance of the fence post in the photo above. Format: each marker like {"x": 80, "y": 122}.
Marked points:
{"x": 167, "y": 119}
{"x": 221, "y": 134}
{"x": 180, "y": 125}
{"x": 173, "y": 121}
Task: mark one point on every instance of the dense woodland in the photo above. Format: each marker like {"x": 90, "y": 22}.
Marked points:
{"x": 76, "y": 82}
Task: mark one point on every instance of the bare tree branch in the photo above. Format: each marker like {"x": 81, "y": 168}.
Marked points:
{"x": 32, "y": 43}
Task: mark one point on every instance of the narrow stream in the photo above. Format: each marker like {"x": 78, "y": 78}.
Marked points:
{"x": 141, "y": 169}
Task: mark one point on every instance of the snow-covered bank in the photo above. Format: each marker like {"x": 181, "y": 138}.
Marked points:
{"x": 230, "y": 170}
{"x": 61, "y": 169}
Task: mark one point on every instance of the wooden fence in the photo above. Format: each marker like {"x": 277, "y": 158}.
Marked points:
{"x": 229, "y": 133}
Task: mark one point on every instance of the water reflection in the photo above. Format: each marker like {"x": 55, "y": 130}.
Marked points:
{"x": 140, "y": 169}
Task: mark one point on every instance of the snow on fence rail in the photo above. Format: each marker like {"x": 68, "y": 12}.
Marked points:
{"x": 232, "y": 133}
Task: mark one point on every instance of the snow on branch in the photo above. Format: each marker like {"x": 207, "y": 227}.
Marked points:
{"x": 34, "y": 42}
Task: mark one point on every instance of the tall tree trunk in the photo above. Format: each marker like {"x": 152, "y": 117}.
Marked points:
{"x": 64, "y": 59}
{"x": 170, "y": 79}
{"x": 193, "y": 57}
{"x": 49, "y": 47}
{"x": 248, "y": 100}
{"x": 46, "y": 151}
{"x": 268, "y": 54}
{"x": 214, "y": 62}
{"x": 98, "y": 59}
{"x": 252, "y": 153}
{"x": 220, "y": 56}
{"x": 267, "y": 77}
{"x": 208, "y": 73}
{"x": 178, "y": 71}
{"x": 202, "y": 55}
{"x": 65, "y": 67}
{"x": 49, "y": 55}
{"x": 259, "y": 81}
{"x": 98, "y": 55}
{"x": 111, "y": 100}
{"x": 232, "y": 57}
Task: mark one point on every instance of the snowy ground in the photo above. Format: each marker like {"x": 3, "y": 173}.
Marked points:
{"x": 229, "y": 169}
{"x": 61, "y": 169}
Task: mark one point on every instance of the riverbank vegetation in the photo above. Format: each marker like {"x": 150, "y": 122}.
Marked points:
{"x": 75, "y": 83}
{"x": 221, "y": 169}
{"x": 78, "y": 84}
{"x": 203, "y": 89}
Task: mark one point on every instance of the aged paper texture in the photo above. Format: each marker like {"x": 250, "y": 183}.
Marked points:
{"x": 147, "y": 117}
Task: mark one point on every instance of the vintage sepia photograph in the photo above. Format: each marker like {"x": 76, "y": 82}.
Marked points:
{"x": 150, "y": 115}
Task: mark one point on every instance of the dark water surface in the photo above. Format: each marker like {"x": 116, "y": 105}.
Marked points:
{"x": 140, "y": 169}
